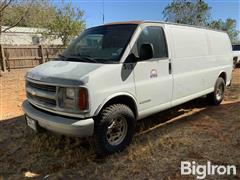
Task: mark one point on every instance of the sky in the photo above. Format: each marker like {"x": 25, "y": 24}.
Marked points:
{"x": 124, "y": 10}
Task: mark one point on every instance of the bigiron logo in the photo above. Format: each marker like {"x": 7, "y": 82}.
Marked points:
{"x": 201, "y": 171}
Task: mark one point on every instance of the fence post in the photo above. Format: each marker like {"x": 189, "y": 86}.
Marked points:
{"x": 42, "y": 54}
{"x": 3, "y": 58}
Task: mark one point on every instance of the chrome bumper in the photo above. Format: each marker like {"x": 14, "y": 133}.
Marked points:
{"x": 59, "y": 124}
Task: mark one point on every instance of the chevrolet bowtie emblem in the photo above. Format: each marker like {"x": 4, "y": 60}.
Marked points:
{"x": 33, "y": 92}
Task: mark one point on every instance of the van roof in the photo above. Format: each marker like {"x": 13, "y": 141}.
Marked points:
{"x": 161, "y": 22}
{"x": 125, "y": 22}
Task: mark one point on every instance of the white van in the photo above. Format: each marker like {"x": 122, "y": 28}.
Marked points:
{"x": 236, "y": 55}
{"x": 115, "y": 74}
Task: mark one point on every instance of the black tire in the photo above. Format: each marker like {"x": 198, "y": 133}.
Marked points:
{"x": 105, "y": 124}
{"x": 216, "y": 97}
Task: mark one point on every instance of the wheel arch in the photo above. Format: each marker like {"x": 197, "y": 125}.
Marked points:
{"x": 223, "y": 75}
{"x": 123, "y": 98}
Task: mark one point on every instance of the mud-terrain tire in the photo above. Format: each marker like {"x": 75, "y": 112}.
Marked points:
{"x": 216, "y": 97}
{"x": 114, "y": 130}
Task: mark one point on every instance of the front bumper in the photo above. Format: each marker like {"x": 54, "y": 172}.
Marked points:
{"x": 59, "y": 124}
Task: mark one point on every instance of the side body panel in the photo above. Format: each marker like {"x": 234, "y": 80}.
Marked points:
{"x": 197, "y": 62}
{"x": 221, "y": 55}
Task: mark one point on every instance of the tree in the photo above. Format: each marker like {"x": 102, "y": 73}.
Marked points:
{"x": 229, "y": 25}
{"x": 64, "y": 22}
{"x": 195, "y": 12}
{"x": 67, "y": 24}
{"x": 5, "y": 5}
{"x": 36, "y": 14}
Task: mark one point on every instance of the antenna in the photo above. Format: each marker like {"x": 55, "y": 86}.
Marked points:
{"x": 103, "y": 13}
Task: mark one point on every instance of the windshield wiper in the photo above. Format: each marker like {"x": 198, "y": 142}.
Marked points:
{"x": 107, "y": 61}
{"x": 78, "y": 58}
{"x": 86, "y": 58}
{"x": 62, "y": 56}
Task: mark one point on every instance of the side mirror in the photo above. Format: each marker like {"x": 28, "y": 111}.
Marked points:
{"x": 146, "y": 52}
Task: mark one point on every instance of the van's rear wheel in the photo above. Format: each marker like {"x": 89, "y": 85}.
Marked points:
{"x": 115, "y": 129}
{"x": 217, "y": 95}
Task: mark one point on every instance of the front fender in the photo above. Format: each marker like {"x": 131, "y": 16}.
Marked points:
{"x": 114, "y": 96}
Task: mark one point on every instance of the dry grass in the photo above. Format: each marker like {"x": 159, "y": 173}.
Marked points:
{"x": 193, "y": 131}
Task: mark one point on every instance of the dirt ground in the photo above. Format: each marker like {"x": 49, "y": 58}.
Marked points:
{"x": 193, "y": 131}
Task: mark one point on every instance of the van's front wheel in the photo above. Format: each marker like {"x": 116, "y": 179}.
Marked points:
{"x": 217, "y": 95}
{"x": 115, "y": 129}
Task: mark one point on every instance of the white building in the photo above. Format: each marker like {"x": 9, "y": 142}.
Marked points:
{"x": 26, "y": 36}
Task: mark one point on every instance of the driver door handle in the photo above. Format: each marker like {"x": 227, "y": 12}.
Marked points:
{"x": 170, "y": 66}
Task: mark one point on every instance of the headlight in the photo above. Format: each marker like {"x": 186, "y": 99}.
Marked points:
{"x": 73, "y": 99}
{"x": 70, "y": 93}
{"x": 69, "y": 100}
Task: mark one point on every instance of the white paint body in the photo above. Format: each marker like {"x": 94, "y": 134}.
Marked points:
{"x": 197, "y": 56}
{"x": 236, "y": 54}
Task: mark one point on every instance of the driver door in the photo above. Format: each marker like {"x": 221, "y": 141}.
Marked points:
{"x": 153, "y": 77}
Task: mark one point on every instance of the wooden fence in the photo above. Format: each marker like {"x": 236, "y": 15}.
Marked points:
{"x": 17, "y": 57}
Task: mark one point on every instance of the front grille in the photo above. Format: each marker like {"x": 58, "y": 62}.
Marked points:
{"x": 43, "y": 87}
{"x": 41, "y": 94}
{"x": 42, "y": 100}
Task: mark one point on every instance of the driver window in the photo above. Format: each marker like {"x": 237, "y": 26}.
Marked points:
{"x": 153, "y": 35}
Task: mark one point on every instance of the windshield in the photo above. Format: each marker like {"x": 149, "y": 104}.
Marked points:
{"x": 236, "y": 47}
{"x": 100, "y": 44}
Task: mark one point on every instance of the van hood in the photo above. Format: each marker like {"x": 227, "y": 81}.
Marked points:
{"x": 63, "y": 72}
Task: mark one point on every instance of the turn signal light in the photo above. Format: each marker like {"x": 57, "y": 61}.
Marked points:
{"x": 83, "y": 99}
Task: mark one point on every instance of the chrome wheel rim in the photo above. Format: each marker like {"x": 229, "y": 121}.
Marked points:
{"x": 117, "y": 131}
{"x": 219, "y": 92}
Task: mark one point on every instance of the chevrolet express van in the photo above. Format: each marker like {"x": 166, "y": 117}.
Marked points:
{"x": 115, "y": 74}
